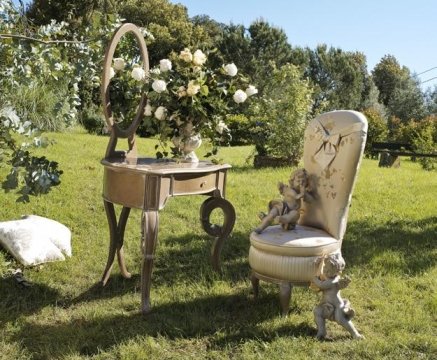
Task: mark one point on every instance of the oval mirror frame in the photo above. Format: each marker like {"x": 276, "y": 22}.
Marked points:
{"x": 106, "y": 78}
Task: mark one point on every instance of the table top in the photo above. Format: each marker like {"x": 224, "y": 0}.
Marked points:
{"x": 161, "y": 166}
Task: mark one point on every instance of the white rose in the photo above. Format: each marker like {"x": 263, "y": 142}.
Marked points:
{"x": 251, "y": 90}
{"x": 165, "y": 65}
{"x": 182, "y": 91}
{"x": 231, "y": 69}
{"x": 186, "y": 55}
{"x": 240, "y": 96}
{"x": 160, "y": 113}
{"x": 119, "y": 64}
{"x": 193, "y": 88}
{"x": 138, "y": 74}
{"x": 111, "y": 72}
{"x": 159, "y": 86}
{"x": 221, "y": 126}
{"x": 155, "y": 71}
{"x": 148, "y": 110}
{"x": 199, "y": 58}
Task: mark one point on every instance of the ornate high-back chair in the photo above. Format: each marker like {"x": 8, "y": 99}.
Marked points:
{"x": 333, "y": 149}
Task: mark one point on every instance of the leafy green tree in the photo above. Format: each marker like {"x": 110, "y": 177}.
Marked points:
{"x": 388, "y": 76}
{"x": 269, "y": 49}
{"x": 338, "y": 78}
{"x": 407, "y": 101}
{"x": 234, "y": 46}
{"x": 370, "y": 98}
{"x": 399, "y": 90}
{"x": 169, "y": 24}
{"x": 77, "y": 13}
{"x": 430, "y": 96}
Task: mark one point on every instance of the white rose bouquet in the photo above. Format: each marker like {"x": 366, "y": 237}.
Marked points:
{"x": 186, "y": 98}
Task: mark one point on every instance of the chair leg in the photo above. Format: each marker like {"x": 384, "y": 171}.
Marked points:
{"x": 284, "y": 297}
{"x": 255, "y": 284}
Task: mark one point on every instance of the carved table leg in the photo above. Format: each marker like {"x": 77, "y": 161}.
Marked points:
{"x": 220, "y": 233}
{"x": 284, "y": 296}
{"x": 149, "y": 238}
{"x": 116, "y": 239}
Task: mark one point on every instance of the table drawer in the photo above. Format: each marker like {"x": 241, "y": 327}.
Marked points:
{"x": 184, "y": 184}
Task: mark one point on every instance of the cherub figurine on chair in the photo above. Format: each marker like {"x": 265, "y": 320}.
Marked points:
{"x": 332, "y": 306}
{"x": 287, "y": 211}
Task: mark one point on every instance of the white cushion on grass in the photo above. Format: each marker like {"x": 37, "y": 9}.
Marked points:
{"x": 58, "y": 233}
{"x": 35, "y": 240}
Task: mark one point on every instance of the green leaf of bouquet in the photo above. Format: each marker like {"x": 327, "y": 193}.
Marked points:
{"x": 204, "y": 90}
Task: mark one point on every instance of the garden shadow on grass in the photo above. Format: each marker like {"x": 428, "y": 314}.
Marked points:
{"x": 226, "y": 320}
{"x": 189, "y": 261}
{"x": 412, "y": 242}
{"x": 17, "y": 300}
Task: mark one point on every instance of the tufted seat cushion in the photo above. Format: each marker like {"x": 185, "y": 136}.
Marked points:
{"x": 302, "y": 241}
{"x": 290, "y": 255}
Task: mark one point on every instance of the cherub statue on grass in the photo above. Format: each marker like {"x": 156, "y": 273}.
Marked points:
{"x": 287, "y": 210}
{"x": 332, "y": 306}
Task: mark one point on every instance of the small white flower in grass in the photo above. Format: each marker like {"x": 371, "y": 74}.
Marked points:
{"x": 138, "y": 74}
{"x": 193, "y": 88}
{"x": 111, "y": 72}
{"x": 231, "y": 69}
{"x": 165, "y": 65}
{"x": 160, "y": 113}
{"x": 58, "y": 67}
{"x": 119, "y": 64}
{"x": 251, "y": 90}
{"x": 148, "y": 109}
{"x": 199, "y": 58}
{"x": 186, "y": 55}
{"x": 221, "y": 127}
{"x": 240, "y": 96}
{"x": 159, "y": 86}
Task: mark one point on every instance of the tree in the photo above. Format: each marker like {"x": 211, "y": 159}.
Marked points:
{"x": 388, "y": 75}
{"x": 407, "y": 101}
{"x": 430, "y": 97}
{"x": 258, "y": 50}
{"x": 169, "y": 24}
{"x": 77, "y": 13}
{"x": 338, "y": 78}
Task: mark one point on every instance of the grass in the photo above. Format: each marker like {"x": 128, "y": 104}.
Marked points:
{"x": 389, "y": 248}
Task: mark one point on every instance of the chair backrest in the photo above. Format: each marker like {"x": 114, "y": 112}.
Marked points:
{"x": 333, "y": 149}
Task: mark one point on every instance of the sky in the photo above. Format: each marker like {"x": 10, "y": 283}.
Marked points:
{"x": 403, "y": 28}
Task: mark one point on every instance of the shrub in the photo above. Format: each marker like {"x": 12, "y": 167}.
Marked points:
{"x": 43, "y": 104}
{"x": 377, "y": 131}
{"x": 240, "y": 129}
{"x": 91, "y": 118}
{"x": 422, "y": 134}
{"x": 282, "y": 114}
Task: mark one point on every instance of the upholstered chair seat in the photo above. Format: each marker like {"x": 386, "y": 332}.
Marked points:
{"x": 290, "y": 255}
{"x": 333, "y": 148}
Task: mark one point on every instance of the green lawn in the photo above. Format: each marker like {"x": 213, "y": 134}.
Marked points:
{"x": 389, "y": 248}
